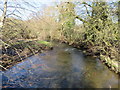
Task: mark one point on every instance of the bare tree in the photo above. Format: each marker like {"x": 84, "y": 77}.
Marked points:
{"x": 4, "y": 14}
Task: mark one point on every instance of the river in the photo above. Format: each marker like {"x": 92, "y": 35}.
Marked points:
{"x": 62, "y": 67}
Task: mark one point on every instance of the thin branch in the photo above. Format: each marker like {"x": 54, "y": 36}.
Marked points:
{"x": 21, "y": 8}
{"x": 11, "y": 13}
{"x": 1, "y": 9}
{"x": 87, "y": 4}
{"x": 3, "y": 67}
{"x": 81, "y": 19}
{"x": 87, "y": 10}
{"x": 29, "y": 4}
{"x": 16, "y": 15}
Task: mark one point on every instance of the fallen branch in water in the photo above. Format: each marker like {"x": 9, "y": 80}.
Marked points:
{"x": 3, "y": 67}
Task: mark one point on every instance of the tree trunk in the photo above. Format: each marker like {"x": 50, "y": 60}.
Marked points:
{"x": 4, "y": 14}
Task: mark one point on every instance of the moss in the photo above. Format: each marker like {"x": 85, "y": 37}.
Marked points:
{"x": 44, "y": 43}
{"x": 111, "y": 63}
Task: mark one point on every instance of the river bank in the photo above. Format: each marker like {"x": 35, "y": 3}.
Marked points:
{"x": 62, "y": 67}
{"x": 18, "y": 52}
{"x": 109, "y": 57}
{"x": 21, "y": 50}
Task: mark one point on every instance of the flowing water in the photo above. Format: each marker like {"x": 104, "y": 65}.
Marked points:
{"x": 62, "y": 67}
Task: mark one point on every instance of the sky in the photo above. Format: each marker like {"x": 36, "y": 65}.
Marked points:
{"x": 33, "y": 6}
{"x": 38, "y": 4}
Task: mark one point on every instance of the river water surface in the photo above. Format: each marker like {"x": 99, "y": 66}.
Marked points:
{"x": 62, "y": 67}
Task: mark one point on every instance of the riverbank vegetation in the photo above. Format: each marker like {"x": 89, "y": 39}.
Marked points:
{"x": 90, "y": 26}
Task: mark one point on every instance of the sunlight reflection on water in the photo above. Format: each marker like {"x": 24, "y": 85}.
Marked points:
{"x": 63, "y": 67}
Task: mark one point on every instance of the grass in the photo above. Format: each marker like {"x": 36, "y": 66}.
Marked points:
{"x": 45, "y": 43}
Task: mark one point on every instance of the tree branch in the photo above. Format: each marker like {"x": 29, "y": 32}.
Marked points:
{"x": 81, "y": 19}
{"x": 87, "y": 4}
{"x": 4, "y": 14}
{"x": 87, "y": 10}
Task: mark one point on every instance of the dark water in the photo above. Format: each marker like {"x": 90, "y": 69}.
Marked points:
{"x": 63, "y": 67}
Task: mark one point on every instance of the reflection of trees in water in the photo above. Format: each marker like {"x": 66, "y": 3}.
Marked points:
{"x": 64, "y": 60}
{"x": 64, "y": 67}
{"x": 67, "y": 70}
{"x": 97, "y": 74}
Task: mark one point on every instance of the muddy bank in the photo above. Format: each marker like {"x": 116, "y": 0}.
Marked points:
{"x": 20, "y": 50}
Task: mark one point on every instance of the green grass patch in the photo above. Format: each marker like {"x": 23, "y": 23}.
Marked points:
{"x": 45, "y": 43}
